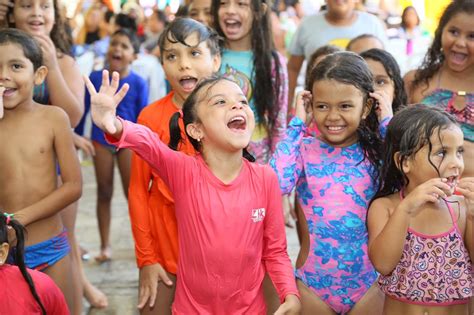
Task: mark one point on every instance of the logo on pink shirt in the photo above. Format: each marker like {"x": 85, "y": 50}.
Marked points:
{"x": 258, "y": 214}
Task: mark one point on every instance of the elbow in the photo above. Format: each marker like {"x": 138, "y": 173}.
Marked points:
{"x": 76, "y": 116}
{"x": 380, "y": 265}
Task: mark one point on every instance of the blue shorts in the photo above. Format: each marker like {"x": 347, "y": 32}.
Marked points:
{"x": 45, "y": 254}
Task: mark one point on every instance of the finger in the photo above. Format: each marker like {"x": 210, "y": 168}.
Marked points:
{"x": 154, "y": 289}
{"x": 90, "y": 87}
{"x": 90, "y": 148}
{"x": 105, "y": 80}
{"x": 118, "y": 97}
{"x": 164, "y": 277}
{"x": 115, "y": 81}
{"x": 144, "y": 296}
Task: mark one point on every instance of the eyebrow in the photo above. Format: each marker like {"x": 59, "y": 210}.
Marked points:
{"x": 17, "y": 60}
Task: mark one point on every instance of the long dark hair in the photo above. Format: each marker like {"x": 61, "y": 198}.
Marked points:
{"x": 189, "y": 116}
{"x": 434, "y": 58}
{"x": 393, "y": 70}
{"x": 267, "y": 87}
{"x": 19, "y": 252}
{"x": 31, "y": 48}
{"x": 409, "y": 131}
{"x": 350, "y": 68}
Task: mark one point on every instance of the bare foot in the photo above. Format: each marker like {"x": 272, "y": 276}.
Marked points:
{"x": 84, "y": 254}
{"x": 104, "y": 255}
{"x": 94, "y": 296}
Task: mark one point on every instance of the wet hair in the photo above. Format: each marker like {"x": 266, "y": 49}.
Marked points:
{"x": 59, "y": 34}
{"x": 434, "y": 58}
{"x": 267, "y": 86}
{"x": 180, "y": 29}
{"x": 28, "y": 44}
{"x": 349, "y": 68}
{"x": 122, "y": 20}
{"x": 131, "y": 36}
{"x": 404, "y": 14}
{"x": 393, "y": 70}
{"x": 363, "y": 36}
{"x": 190, "y": 116}
{"x": 19, "y": 252}
{"x": 321, "y": 51}
{"x": 409, "y": 131}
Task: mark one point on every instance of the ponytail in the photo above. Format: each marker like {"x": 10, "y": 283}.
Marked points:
{"x": 5, "y": 221}
{"x": 175, "y": 132}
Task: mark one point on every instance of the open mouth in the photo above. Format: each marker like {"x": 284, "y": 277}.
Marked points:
{"x": 452, "y": 182}
{"x": 188, "y": 83}
{"x": 237, "y": 123}
{"x": 8, "y": 92}
{"x": 335, "y": 129}
{"x": 232, "y": 25}
{"x": 36, "y": 24}
{"x": 458, "y": 58}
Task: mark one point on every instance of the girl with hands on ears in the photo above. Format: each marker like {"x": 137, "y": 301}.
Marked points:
{"x": 420, "y": 234}
{"x": 221, "y": 197}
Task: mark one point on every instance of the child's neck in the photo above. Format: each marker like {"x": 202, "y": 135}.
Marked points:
{"x": 177, "y": 101}
{"x": 243, "y": 44}
{"x": 338, "y": 20}
{"x": 225, "y": 166}
{"x": 123, "y": 73}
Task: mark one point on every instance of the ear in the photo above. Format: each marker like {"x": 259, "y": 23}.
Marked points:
{"x": 405, "y": 166}
{"x": 216, "y": 62}
{"x": 4, "y": 253}
{"x": 368, "y": 107}
{"x": 40, "y": 75}
{"x": 195, "y": 131}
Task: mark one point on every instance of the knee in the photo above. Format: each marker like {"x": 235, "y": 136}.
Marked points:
{"x": 104, "y": 192}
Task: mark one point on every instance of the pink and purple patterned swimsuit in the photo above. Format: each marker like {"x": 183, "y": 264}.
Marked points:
{"x": 334, "y": 187}
{"x": 433, "y": 270}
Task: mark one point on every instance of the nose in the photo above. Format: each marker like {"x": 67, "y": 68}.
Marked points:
{"x": 37, "y": 11}
{"x": 333, "y": 114}
{"x": 237, "y": 105}
{"x": 3, "y": 74}
{"x": 183, "y": 62}
{"x": 460, "y": 41}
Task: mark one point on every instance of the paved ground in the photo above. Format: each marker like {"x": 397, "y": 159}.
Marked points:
{"x": 118, "y": 278}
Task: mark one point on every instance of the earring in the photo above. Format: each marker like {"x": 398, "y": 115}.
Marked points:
{"x": 198, "y": 139}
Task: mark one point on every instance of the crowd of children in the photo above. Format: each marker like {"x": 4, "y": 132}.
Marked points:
{"x": 377, "y": 167}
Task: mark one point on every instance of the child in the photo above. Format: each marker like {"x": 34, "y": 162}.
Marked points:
{"x": 421, "y": 237}
{"x": 230, "y": 223}
{"x": 151, "y": 204}
{"x": 249, "y": 57}
{"x": 123, "y": 49}
{"x": 335, "y": 176}
{"x": 388, "y": 83}
{"x": 35, "y": 140}
{"x": 24, "y": 290}
{"x": 446, "y": 77}
{"x": 200, "y": 10}
{"x": 364, "y": 42}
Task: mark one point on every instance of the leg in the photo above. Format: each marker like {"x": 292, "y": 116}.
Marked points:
{"x": 93, "y": 295}
{"x": 311, "y": 303}
{"x": 68, "y": 216}
{"x": 61, "y": 273}
{"x": 164, "y": 299}
{"x": 371, "y": 303}
{"x": 104, "y": 173}
{"x": 271, "y": 296}
{"x": 124, "y": 158}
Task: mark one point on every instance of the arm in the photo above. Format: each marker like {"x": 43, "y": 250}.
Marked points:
{"x": 65, "y": 87}
{"x": 275, "y": 255}
{"x": 294, "y": 66}
{"x": 466, "y": 188}
{"x": 281, "y": 121}
{"x": 71, "y": 188}
{"x": 408, "y": 80}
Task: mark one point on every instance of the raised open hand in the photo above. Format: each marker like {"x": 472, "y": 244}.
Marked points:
{"x": 303, "y": 106}
{"x": 104, "y": 103}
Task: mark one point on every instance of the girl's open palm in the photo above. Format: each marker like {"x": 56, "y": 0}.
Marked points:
{"x": 104, "y": 103}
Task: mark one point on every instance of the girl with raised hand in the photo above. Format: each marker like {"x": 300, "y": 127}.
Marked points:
{"x": 228, "y": 210}
{"x": 421, "y": 236}
{"x": 335, "y": 175}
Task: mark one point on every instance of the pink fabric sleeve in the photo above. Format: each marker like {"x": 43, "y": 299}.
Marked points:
{"x": 275, "y": 254}
{"x": 172, "y": 166}
{"x": 281, "y": 121}
{"x": 52, "y": 298}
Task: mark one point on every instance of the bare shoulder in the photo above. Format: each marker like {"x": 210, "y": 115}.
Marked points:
{"x": 54, "y": 115}
{"x": 384, "y": 205}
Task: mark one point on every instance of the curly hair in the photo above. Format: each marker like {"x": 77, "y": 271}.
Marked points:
{"x": 267, "y": 85}
{"x": 434, "y": 58}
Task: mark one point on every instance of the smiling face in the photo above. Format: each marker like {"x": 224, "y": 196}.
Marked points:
{"x": 120, "y": 54}
{"x": 446, "y": 158}
{"x": 34, "y": 16}
{"x": 235, "y": 20}
{"x": 457, "y": 41}
{"x": 337, "y": 110}
{"x": 200, "y": 10}
{"x": 18, "y": 76}
{"x": 226, "y": 121}
{"x": 382, "y": 81}
{"x": 185, "y": 65}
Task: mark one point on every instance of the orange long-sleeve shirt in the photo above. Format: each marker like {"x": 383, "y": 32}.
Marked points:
{"x": 151, "y": 204}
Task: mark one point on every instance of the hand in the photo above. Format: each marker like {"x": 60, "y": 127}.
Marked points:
{"x": 383, "y": 104}
{"x": 303, "y": 103}
{"x": 466, "y": 188}
{"x": 429, "y": 191}
{"x": 5, "y": 5}
{"x": 148, "y": 283}
{"x": 50, "y": 59}
{"x": 104, "y": 102}
{"x": 288, "y": 209}
{"x": 84, "y": 144}
{"x": 2, "y": 89}
{"x": 292, "y": 305}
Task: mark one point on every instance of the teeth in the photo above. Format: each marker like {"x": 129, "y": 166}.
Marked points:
{"x": 237, "y": 118}
{"x": 335, "y": 128}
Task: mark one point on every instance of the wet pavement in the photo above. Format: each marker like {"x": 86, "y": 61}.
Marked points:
{"x": 118, "y": 278}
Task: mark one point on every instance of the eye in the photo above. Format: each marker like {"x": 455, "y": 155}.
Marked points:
{"x": 219, "y": 101}
{"x": 441, "y": 153}
{"x": 454, "y": 32}
{"x": 195, "y": 53}
{"x": 243, "y": 4}
{"x": 346, "y": 106}
{"x": 244, "y": 102}
{"x": 321, "y": 107}
{"x": 381, "y": 82}
{"x": 460, "y": 152}
{"x": 16, "y": 66}
{"x": 170, "y": 57}
{"x": 471, "y": 36}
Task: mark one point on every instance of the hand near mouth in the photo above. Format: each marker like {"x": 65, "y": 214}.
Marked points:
{"x": 466, "y": 188}
{"x": 2, "y": 89}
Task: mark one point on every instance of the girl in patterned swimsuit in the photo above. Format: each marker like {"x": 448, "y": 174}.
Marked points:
{"x": 446, "y": 77}
{"x": 335, "y": 175}
{"x": 421, "y": 236}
